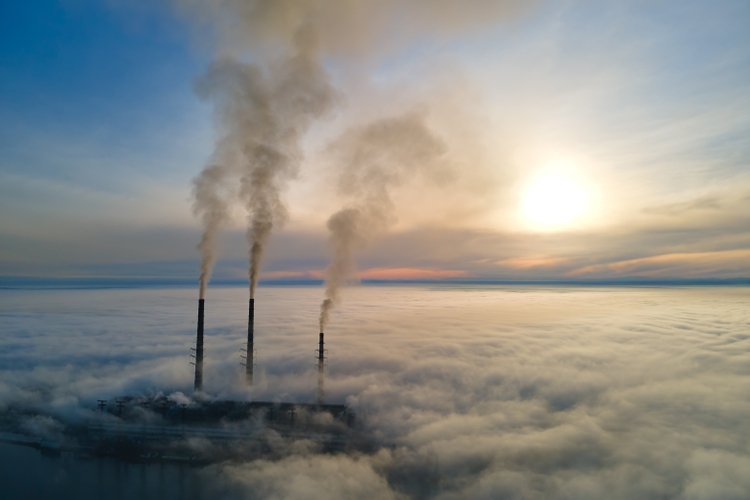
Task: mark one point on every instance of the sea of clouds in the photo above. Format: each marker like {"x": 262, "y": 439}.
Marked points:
{"x": 469, "y": 392}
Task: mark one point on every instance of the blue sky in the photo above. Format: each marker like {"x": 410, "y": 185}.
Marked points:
{"x": 84, "y": 73}
{"x": 645, "y": 103}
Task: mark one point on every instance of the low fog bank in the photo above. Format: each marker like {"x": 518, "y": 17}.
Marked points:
{"x": 471, "y": 392}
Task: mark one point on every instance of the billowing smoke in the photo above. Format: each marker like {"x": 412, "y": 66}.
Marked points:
{"x": 346, "y": 27}
{"x": 262, "y": 116}
{"x": 346, "y": 233}
{"x": 211, "y": 206}
{"x": 263, "y": 109}
{"x": 375, "y": 159}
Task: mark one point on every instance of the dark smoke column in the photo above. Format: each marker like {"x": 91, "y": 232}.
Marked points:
{"x": 250, "y": 349}
{"x": 321, "y": 367}
{"x": 375, "y": 159}
{"x": 262, "y": 115}
{"x": 199, "y": 349}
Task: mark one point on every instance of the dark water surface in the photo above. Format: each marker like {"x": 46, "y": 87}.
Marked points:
{"x": 26, "y": 473}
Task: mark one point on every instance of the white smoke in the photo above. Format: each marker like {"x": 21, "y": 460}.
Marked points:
{"x": 263, "y": 116}
{"x": 374, "y": 160}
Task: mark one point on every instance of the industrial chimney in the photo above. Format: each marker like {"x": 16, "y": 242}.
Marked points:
{"x": 321, "y": 366}
{"x": 250, "y": 350}
{"x": 199, "y": 349}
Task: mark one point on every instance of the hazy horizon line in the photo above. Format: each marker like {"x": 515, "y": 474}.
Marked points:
{"x": 63, "y": 283}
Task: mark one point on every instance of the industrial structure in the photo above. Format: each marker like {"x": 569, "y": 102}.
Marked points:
{"x": 198, "y": 386}
{"x": 321, "y": 354}
{"x": 249, "y": 350}
{"x": 159, "y": 428}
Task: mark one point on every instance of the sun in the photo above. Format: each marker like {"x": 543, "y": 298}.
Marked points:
{"x": 554, "y": 200}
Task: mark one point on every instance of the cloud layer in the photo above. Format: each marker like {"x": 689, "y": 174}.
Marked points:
{"x": 475, "y": 392}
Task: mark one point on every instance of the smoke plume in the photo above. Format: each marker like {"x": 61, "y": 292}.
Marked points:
{"x": 262, "y": 116}
{"x": 346, "y": 27}
{"x": 211, "y": 206}
{"x": 263, "y": 109}
{"x": 374, "y": 159}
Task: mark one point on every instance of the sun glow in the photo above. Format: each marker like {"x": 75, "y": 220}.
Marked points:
{"x": 554, "y": 200}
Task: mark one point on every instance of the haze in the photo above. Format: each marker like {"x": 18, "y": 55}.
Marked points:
{"x": 517, "y": 233}
{"x": 640, "y": 107}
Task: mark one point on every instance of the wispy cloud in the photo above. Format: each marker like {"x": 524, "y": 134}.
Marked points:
{"x": 531, "y": 262}
{"x": 316, "y": 274}
{"x": 730, "y": 263}
{"x": 643, "y": 101}
{"x": 406, "y": 273}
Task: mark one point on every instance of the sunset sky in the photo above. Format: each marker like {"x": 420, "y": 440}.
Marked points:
{"x": 582, "y": 140}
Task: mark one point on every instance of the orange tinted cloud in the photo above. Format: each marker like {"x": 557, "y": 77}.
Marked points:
{"x": 731, "y": 263}
{"x": 531, "y": 262}
{"x": 399, "y": 273}
{"x": 409, "y": 273}
{"x": 282, "y": 275}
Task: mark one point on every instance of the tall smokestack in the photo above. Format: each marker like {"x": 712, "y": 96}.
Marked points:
{"x": 250, "y": 351}
{"x": 199, "y": 349}
{"x": 262, "y": 115}
{"x": 321, "y": 366}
